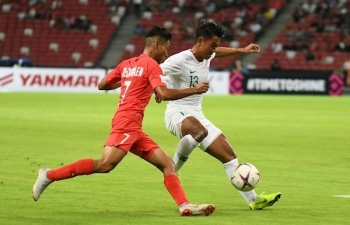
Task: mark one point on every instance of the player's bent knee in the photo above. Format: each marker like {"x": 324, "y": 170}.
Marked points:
{"x": 169, "y": 168}
{"x": 108, "y": 168}
{"x": 104, "y": 167}
{"x": 199, "y": 133}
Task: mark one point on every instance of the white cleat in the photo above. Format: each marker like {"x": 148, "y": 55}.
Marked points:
{"x": 41, "y": 183}
{"x": 196, "y": 210}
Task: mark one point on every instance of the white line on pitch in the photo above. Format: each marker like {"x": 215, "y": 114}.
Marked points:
{"x": 342, "y": 196}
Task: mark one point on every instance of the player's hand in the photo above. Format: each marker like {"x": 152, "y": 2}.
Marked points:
{"x": 157, "y": 98}
{"x": 251, "y": 48}
{"x": 202, "y": 87}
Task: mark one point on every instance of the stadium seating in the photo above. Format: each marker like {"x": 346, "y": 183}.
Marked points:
{"x": 45, "y": 42}
{"x": 181, "y": 22}
{"x": 301, "y": 35}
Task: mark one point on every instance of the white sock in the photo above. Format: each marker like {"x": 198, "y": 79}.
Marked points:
{"x": 183, "y": 151}
{"x": 230, "y": 166}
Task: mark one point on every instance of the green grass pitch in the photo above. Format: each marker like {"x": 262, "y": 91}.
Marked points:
{"x": 300, "y": 144}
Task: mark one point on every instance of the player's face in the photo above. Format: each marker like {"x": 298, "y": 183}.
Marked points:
{"x": 208, "y": 46}
{"x": 162, "y": 49}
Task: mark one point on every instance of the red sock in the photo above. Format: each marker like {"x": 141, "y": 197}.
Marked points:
{"x": 81, "y": 167}
{"x": 172, "y": 184}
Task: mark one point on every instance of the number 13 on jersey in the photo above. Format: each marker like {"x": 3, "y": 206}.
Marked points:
{"x": 193, "y": 81}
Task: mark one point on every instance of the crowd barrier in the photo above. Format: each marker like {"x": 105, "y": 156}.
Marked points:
{"x": 18, "y": 79}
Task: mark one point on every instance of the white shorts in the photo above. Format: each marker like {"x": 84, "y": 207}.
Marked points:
{"x": 174, "y": 115}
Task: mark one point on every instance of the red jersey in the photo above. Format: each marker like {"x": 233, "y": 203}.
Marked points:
{"x": 139, "y": 77}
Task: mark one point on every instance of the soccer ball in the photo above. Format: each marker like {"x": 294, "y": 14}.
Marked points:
{"x": 245, "y": 177}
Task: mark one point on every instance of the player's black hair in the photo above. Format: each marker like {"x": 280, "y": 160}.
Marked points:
{"x": 157, "y": 31}
{"x": 208, "y": 29}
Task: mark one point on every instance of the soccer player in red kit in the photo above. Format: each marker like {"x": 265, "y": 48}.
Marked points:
{"x": 138, "y": 78}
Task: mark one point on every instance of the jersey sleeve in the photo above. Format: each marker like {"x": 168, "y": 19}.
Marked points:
{"x": 114, "y": 76}
{"x": 154, "y": 76}
{"x": 172, "y": 66}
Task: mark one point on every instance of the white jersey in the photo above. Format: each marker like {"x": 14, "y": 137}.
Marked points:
{"x": 183, "y": 70}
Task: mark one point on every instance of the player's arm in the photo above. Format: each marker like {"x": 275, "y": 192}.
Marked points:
{"x": 104, "y": 85}
{"x": 111, "y": 81}
{"x": 221, "y": 52}
{"x": 165, "y": 94}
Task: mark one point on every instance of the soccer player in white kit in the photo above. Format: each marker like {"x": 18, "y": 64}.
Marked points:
{"x": 184, "y": 117}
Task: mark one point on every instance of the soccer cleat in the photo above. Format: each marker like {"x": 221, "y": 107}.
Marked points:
{"x": 263, "y": 200}
{"x": 41, "y": 183}
{"x": 196, "y": 210}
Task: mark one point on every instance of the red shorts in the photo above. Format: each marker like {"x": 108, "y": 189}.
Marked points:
{"x": 133, "y": 140}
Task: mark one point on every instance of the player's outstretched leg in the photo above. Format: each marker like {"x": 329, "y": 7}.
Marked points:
{"x": 110, "y": 159}
{"x": 185, "y": 147}
{"x": 223, "y": 151}
{"x": 47, "y": 176}
{"x": 41, "y": 183}
{"x": 196, "y": 210}
{"x": 254, "y": 201}
{"x": 264, "y": 200}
